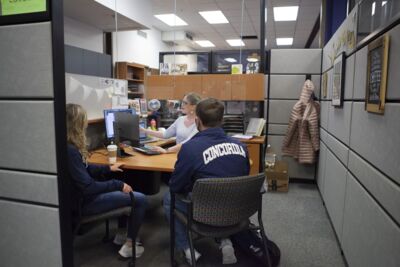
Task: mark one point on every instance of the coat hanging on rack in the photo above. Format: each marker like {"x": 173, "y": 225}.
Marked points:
{"x": 302, "y": 136}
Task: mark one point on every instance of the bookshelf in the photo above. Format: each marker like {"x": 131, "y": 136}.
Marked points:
{"x": 135, "y": 75}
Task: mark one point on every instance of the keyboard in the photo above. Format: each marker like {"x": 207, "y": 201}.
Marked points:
{"x": 148, "y": 140}
{"x": 146, "y": 150}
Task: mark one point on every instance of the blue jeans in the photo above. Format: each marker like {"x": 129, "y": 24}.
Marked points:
{"x": 181, "y": 240}
{"x": 117, "y": 199}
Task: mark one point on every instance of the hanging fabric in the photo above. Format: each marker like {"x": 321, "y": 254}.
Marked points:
{"x": 302, "y": 136}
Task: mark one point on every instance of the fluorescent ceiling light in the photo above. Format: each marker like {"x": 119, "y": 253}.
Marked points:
{"x": 284, "y": 41}
{"x": 373, "y": 9}
{"x": 214, "y": 17}
{"x": 384, "y": 3}
{"x": 205, "y": 43}
{"x": 230, "y": 59}
{"x": 286, "y": 13}
{"x": 171, "y": 19}
{"x": 235, "y": 42}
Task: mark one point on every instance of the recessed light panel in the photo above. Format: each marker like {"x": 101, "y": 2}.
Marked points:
{"x": 214, "y": 17}
{"x": 284, "y": 41}
{"x": 230, "y": 59}
{"x": 235, "y": 42}
{"x": 286, "y": 13}
{"x": 171, "y": 20}
{"x": 205, "y": 43}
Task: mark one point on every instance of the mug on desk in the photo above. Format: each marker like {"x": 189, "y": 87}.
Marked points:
{"x": 112, "y": 153}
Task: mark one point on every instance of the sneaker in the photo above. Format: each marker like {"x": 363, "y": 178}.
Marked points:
{"x": 188, "y": 256}
{"x": 126, "y": 251}
{"x": 120, "y": 238}
{"x": 228, "y": 252}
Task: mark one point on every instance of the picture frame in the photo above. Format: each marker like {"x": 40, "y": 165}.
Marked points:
{"x": 377, "y": 69}
{"x": 338, "y": 76}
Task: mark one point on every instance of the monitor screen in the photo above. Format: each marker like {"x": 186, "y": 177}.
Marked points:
{"x": 109, "y": 118}
{"x": 126, "y": 128}
{"x": 143, "y": 135}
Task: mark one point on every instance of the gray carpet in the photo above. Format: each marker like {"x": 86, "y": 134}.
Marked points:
{"x": 296, "y": 221}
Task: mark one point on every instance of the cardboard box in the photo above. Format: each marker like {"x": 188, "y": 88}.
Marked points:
{"x": 278, "y": 177}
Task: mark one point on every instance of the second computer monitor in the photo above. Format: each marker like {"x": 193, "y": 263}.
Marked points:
{"x": 126, "y": 128}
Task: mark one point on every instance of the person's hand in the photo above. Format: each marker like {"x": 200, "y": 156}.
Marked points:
{"x": 116, "y": 167}
{"x": 142, "y": 130}
{"x": 126, "y": 188}
{"x": 158, "y": 149}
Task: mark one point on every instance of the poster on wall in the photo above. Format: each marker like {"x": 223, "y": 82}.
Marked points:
{"x": 378, "y": 52}
{"x": 338, "y": 80}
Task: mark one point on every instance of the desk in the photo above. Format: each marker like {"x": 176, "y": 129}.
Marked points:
{"x": 254, "y": 146}
{"x": 166, "y": 162}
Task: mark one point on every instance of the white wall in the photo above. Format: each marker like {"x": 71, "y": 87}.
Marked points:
{"x": 135, "y": 48}
{"x": 82, "y": 35}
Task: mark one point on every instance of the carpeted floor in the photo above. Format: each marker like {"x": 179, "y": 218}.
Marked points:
{"x": 296, "y": 221}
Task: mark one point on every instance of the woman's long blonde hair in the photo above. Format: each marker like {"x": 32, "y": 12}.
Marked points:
{"x": 76, "y": 128}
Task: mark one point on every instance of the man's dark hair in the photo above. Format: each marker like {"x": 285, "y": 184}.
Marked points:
{"x": 211, "y": 112}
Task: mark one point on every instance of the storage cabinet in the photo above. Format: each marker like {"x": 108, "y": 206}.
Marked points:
{"x": 221, "y": 86}
{"x": 135, "y": 75}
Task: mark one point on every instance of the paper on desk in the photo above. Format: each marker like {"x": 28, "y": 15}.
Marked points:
{"x": 242, "y": 136}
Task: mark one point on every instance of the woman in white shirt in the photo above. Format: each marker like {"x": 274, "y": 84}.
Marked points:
{"x": 183, "y": 128}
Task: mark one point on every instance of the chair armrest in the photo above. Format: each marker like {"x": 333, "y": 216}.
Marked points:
{"x": 184, "y": 198}
{"x": 132, "y": 198}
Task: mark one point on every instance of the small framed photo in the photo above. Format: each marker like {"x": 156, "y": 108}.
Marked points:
{"x": 338, "y": 80}
{"x": 378, "y": 55}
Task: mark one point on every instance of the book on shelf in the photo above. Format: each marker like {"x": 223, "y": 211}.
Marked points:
{"x": 255, "y": 127}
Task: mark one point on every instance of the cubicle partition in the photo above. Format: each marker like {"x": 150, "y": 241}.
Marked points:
{"x": 289, "y": 68}
{"x": 359, "y": 172}
{"x": 32, "y": 138}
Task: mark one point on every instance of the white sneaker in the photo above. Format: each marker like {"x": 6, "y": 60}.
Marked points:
{"x": 120, "y": 238}
{"x": 188, "y": 256}
{"x": 228, "y": 252}
{"x": 126, "y": 251}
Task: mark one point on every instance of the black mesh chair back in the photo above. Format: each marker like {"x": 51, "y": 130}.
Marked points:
{"x": 226, "y": 201}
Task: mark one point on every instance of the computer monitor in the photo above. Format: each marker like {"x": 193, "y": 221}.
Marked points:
{"x": 109, "y": 118}
{"x": 126, "y": 128}
{"x": 143, "y": 135}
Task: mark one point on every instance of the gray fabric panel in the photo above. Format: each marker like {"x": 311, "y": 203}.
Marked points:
{"x": 290, "y": 86}
{"x": 296, "y": 61}
{"x": 42, "y": 187}
{"x": 26, "y": 60}
{"x": 266, "y": 86}
{"x": 339, "y": 122}
{"x": 30, "y": 235}
{"x": 90, "y": 63}
{"x": 296, "y": 170}
{"x": 323, "y": 135}
{"x": 334, "y": 191}
{"x": 277, "y": 129}
{"x": 265, "y": 109}
{"x": 73, "y": 59}
{"x": 377, "y": 137}
{"x": 341, "y": 151}
{"x": 324, "y": 116}
{"x": 280, "y": 110}
{"x": 384, "y": 190}
{"x": 349, "y": 77}
{"x": 29, "y": 137}
{"x": 360, "y": 73}
{"x": 393, "y": 79}
{"x": 370, "y": 237}
{"x": 321, "y": 169}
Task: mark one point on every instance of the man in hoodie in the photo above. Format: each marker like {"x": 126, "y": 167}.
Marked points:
{"x": 209, "y": 154}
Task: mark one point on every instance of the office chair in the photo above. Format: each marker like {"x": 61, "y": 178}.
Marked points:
{"x": 79, "y": 220}
{"x": 218, "y": 208}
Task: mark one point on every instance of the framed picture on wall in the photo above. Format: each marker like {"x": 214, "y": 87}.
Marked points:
{"x": 338, "y": 80}
{"x": 375, "y": 93}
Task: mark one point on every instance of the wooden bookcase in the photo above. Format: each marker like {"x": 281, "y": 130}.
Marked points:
{"x": 135, "y": 75}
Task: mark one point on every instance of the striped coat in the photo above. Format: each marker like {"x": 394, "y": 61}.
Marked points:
{"x": 302, "y": 136}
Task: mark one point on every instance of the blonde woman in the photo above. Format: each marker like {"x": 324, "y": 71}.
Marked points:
{"x": 100, "y": 196}
{"x": 183, "y": 128}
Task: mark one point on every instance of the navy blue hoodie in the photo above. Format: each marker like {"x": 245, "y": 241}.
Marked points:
{"x": 209, "y": 154}
{"x": 85, "y": 177}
